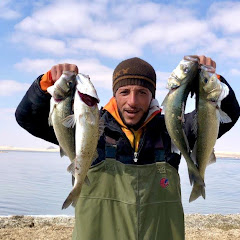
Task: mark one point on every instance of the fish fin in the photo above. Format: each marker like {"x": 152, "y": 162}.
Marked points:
{"x": 174, "y": 149}
{"x": 52, "y": 106}
{"x": 197, "y": 191}
{"x": 194, "y": 176}
{"x": 69, "y": 121}
{"x": 73, "y": 180}
{"x": 87, "y": 181}
{"x": 186, "y": 140}
{"x": 223, "y": 117}
{"x": 90, "y": 118}
{"x": 183, "y": 111}
{"x": 164, "y": 104}
{"x": 62, "y": 153}
{"x": 71, "y": 199}
{"x": 212, "y": 158}
{"x": 50, "y": 90}
{"x": 194, "y": 123}
{"x": 224, "y": 92}
{"x": 71, "y": 168}
{"x": 194, "y": 154}
{"x": 50, "y": 123}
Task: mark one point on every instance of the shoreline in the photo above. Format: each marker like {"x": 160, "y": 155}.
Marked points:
{"x": 4, "y": 149}
{"x": 197, "y": 227}
{"x": 19, "y": 149}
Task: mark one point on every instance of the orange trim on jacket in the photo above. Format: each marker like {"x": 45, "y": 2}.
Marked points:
{"x": 132, "y": 135}
{"x": 46, "y": 81}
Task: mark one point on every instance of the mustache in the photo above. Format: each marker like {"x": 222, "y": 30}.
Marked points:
{"x": 132, "y": 109}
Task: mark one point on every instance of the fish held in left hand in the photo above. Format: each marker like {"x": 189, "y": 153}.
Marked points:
{"x": 206, "y": 124}
{"x": 86, "y": 122}
{"x": 180, "y": 84}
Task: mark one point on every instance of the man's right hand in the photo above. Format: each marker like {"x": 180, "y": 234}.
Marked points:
{"x": 57, "y": 70}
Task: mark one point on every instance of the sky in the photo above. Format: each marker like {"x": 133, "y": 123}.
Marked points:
{"x": 96, "y": 35}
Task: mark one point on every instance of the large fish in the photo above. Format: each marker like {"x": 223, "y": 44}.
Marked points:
{"x": 61, "y": 104}
{"x": 207, "y": 121}
{"x": 180, "y": 84}
{"x": 86, "y": 122}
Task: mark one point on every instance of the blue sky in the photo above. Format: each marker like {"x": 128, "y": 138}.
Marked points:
{"x": 96, "y": 35}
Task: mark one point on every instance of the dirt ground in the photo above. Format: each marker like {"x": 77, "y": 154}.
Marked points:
{"x": 198, "y": 227}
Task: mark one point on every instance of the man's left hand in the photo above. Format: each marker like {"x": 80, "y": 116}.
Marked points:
{"x": 208, "y": 62}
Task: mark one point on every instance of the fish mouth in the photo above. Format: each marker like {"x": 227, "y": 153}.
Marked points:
{"x": 88, "y": 100}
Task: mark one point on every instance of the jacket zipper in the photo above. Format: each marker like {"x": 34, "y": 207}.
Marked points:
{"x": 136, "y": 154}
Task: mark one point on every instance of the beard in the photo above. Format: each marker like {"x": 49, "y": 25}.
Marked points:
{"x": 136, "y": 126}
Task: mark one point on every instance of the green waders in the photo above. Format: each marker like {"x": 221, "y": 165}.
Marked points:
{"x": 130, "y": 202}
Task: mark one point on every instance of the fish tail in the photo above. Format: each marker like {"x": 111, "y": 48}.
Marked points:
{"x": 194, "y": 176}
{"x": 197, "y": 191}
{"x": 71, "y": 200}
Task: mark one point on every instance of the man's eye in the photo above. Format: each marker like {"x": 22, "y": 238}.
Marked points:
{"x": 124, "y": 92}
{"x": 143, "y": 92}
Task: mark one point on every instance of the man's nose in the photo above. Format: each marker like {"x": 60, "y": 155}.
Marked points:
{"x": 132, "y": 100}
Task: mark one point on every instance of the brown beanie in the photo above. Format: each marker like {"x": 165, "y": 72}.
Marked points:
{"x": 134, "y": 71}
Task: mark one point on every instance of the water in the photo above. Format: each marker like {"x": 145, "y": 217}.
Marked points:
{"x": 34, "y": 183}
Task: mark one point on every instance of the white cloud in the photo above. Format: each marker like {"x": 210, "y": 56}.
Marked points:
{"x": 116, "y": 49}
{"x": 227, "y": 47}
{"x": 105, "y": 28}
{"x": 36, "y": 66}
{"x": 10, "y": 87}
{"x": 6, "y": 12}
{"x": 100, "y": 74}
{"x": 61, "y": 18}
{"x": 121, "y": 29}
{"x": 43, "y": 44}
{"x": 225, "y": 16}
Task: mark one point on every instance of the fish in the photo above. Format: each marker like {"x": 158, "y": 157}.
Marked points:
{"x": 61, "y": 106}
{"x": 85, "y": 119}
{"x": 206, "y": 124}
{"x": 180, "y": 84}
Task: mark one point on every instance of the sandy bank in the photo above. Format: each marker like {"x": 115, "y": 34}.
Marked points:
{"x": 214, "y": 227}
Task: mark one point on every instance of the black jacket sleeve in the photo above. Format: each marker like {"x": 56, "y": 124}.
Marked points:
{"x": 32, "y": 113}
{"x": 229, "y": 105}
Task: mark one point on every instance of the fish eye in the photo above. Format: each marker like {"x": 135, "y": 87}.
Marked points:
{"x": 185, "y": 68}
{"x": 69, "y": 84}
{"x": 205, "y": 80}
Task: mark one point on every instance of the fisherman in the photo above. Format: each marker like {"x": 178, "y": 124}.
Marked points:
{"x": 135, "y": 187}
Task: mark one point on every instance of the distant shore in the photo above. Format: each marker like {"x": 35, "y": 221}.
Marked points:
{"x": 197, "y": 227}
{"x": 8, "y": 148}
{"x": 235, "y": 155}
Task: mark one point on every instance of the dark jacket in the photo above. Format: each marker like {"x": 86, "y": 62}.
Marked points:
{"x": 155, "y": 144}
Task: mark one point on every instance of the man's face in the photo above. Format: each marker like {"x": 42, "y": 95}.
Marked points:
{"x": 133, "y": 102}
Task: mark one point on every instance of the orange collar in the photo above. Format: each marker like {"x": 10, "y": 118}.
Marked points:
{"x": 133, "y": 136}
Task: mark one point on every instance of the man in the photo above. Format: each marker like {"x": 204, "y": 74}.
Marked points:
{"x": 135, "y": 187}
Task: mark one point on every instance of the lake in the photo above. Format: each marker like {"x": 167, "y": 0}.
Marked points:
{"x": 37, "y": 183}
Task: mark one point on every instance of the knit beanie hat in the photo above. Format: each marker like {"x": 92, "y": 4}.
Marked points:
{"x": 134, "y": 71}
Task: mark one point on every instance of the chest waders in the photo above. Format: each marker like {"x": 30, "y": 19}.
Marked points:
{"x": 130, "y": 202}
